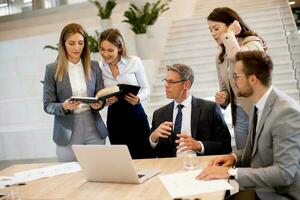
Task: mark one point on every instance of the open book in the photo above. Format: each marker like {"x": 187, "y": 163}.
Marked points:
{"x": 118, "y": 90}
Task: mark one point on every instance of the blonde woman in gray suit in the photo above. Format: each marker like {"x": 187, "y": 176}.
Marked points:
{"x": 73, "y": 74}
{"x": 232, "y": 35}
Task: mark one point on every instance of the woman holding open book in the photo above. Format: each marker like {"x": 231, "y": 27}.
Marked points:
{"x": 126, "y": 120}
{"x": 73, "y": 74}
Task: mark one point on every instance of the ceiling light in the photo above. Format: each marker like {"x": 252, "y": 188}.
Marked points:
{"x": 292, "y": 2}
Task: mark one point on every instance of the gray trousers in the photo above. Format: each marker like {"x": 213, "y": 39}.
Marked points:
{"x": 241, "y": 127}
{"x": 84, "y": 132}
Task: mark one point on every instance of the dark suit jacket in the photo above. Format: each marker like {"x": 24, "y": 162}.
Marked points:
{"x": 207, "y": 126}
{"x": 56, "y": 92}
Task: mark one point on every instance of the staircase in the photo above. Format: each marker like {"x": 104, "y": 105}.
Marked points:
{"x": 190, "y": 42}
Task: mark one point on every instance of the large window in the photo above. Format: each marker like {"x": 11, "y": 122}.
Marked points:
{"x": 9, "y": 7}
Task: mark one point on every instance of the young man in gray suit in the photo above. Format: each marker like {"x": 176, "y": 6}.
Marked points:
{"x": 270, "y": 162}
{"x": 200, "y": 127}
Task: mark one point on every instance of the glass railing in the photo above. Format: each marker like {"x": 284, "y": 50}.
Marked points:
{"x": 10, "y": 7}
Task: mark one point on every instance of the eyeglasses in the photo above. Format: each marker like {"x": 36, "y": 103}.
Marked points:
{"x": 171, "y": 82}
{"x": 236, "y": 77}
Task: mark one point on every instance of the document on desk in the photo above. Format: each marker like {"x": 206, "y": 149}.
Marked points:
{"x": 30, "y": 175}
{"x": 44, "y": 172}
{"x": 184, "y": 184}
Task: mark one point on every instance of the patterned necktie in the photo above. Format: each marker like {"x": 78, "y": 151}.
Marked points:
{"x": 254, "y": 123}
{"x": 178, "y": 120}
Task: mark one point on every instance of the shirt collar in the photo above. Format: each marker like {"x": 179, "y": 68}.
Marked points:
{"x": 186, "y": 103}
{"x": 262, "y": 101}
{"x": 79, "y": 64}
{"x": 123, "y": 61}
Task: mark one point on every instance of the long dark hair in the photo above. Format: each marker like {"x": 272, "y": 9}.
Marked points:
{"x": 114, "y": 36}
{"x": 227, "y": 16}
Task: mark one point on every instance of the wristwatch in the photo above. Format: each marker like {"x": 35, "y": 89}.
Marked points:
{"x": 232, "y": 173}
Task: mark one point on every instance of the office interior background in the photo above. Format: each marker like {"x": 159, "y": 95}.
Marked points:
{"x": 180, "y": 35}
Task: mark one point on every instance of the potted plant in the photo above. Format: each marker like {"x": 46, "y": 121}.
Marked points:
{"x": 137, "y": 18}
{"x": 104, "y": 12}
{"x": 154, "y": 11}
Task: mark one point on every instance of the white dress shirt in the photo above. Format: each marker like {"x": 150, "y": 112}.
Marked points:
{"x": 186, "y": 120}
{"x": 78, "y": 83}
{"x": 131, "y": 71}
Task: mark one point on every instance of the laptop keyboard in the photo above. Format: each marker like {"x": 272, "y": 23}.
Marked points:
{"x": 141, "y": 175}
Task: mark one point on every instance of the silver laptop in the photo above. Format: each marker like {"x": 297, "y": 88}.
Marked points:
{"x": 110, "y": 163}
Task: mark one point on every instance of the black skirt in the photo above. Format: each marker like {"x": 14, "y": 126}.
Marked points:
{"x": 128, "y": 124}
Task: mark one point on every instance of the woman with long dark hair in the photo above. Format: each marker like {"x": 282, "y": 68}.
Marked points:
{"x": 126, "y": 120}
{"x": 232, "y": 35}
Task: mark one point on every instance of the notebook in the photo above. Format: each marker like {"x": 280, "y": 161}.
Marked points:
{"x": 110, "y": 163}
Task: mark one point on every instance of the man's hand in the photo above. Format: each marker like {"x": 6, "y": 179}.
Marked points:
{"x": 187, "y": 142}
{"x": 216, "y": 172}
{"x": 226, "y": 161}
{"x": 163, "y": 131}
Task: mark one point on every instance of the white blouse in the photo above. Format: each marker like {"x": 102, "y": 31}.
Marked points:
{"x": 131, "y": 71}
{"x": 78, "y": 84}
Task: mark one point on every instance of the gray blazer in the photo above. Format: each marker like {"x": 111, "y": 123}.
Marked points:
{"x": 56, "y": 92}
{"x": 273, "y": 168}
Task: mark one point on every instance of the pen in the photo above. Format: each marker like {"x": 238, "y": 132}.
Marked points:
{"x": 16, "y": 184}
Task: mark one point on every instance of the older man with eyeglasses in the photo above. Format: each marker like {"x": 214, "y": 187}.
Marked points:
{"x": 187, "y": 123}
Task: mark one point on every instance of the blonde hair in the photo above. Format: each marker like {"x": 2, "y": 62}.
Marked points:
{"x": 62, "y": 59}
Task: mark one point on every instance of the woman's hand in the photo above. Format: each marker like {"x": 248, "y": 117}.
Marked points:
{"x": 132, "y": 99}
{"x": 234, "y": 27}
{"x": 111, "y": 100}
{"x": 220, "y": 97}
{"x": 70, "y": 105}
{"x": 96, "y": 106}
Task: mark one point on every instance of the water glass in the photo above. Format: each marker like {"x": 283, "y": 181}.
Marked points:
{"x": 189, "y": 159}
{"x": 13, "y": 192}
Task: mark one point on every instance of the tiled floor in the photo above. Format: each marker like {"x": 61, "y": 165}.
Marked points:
{"x": 6, "y": 163}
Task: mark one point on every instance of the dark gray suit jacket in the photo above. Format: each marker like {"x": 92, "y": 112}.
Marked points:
{"x": 273, "y": 167}
{"x": 207, "y": 126}
{"x": 56, "y": 92}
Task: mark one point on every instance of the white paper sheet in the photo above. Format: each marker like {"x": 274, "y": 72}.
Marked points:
{"x": 44, "y": 172}
{"x": 184, "y": 184}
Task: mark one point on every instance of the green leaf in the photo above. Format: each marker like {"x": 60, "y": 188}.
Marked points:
{"x": 51, "y": 47}
{"x": 104, "y": 12}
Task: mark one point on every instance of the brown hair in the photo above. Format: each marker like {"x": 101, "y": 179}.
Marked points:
{"x": 62, "y": 59}
{"x": 184, "y": 71}
{"x": 228, "y": 16}
{"x": 114, "y": 36}
{"x": 257, "y": 63}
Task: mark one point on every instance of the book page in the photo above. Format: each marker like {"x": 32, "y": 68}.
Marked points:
{"x": 107, "y": 91}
